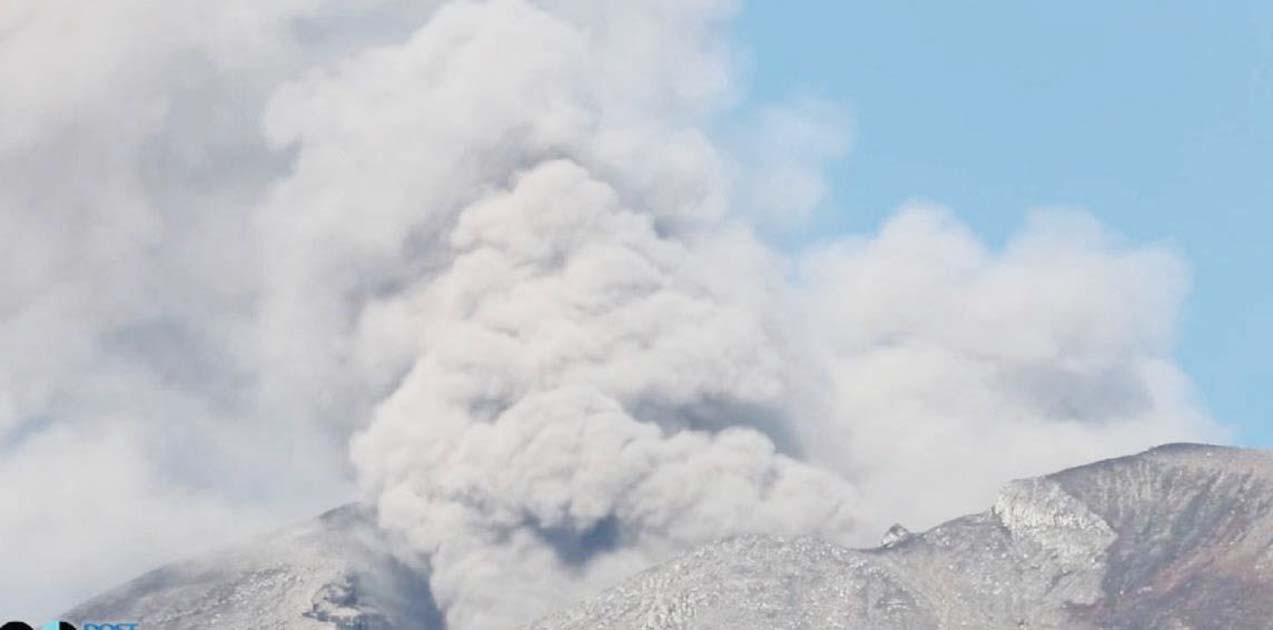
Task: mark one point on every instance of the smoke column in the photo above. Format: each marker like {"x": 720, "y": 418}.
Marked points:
{"x": 492, "y": 264}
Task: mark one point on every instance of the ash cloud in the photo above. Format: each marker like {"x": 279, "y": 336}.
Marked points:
{"x": 487, "y": 263}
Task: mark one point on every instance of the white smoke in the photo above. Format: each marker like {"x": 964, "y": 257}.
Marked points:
{"x": 139, "y": 418}
{"x": 498, "y": 244}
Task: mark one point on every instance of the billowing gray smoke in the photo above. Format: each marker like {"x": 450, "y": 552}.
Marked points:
{"x": 500, "y": 246}
{"x": 585, "y": 399}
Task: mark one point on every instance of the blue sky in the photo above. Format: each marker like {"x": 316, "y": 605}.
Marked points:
{"x": 1157, "y": 117}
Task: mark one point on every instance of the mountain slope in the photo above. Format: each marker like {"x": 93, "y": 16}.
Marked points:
{"x": 335, "y": 572}
{"x": 1177, "y": 537}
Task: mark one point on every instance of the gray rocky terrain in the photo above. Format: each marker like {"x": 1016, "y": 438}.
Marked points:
{"x": 333, "y": 573}
{"x": 1178, "y": 537}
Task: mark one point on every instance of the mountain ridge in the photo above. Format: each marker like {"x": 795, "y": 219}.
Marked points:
{"x": 1176, "y": 537}
{"x": 1179, "y": 536}
{"x": 336, "y": 571}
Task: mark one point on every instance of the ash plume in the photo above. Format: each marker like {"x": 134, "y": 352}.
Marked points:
{"x": 491, "y": 263}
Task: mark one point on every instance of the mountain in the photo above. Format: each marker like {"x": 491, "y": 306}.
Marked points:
{"x": 333, "y": 573}
{"x": 1179, "y": 537}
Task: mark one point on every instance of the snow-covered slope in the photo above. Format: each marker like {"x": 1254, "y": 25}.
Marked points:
{"x": 1180, "y": 537}
{"x": 335, "y": 572}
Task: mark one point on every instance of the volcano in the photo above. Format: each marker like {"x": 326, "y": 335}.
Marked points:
{"x": 1179, "y": 537}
